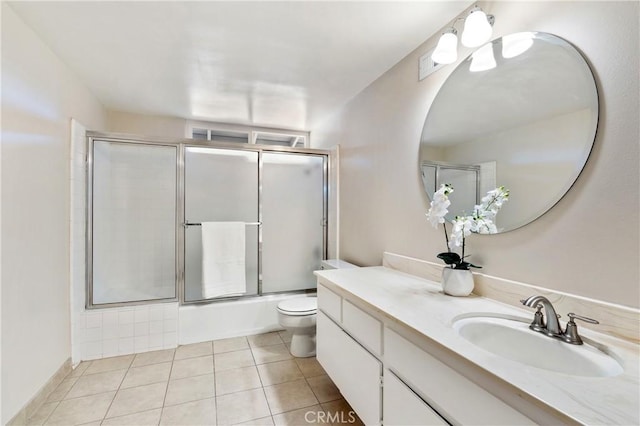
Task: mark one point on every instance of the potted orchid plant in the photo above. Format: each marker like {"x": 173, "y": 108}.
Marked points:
{"x": 481, "y": 221}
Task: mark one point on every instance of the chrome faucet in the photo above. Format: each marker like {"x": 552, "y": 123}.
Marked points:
{"x": 552, "y": 327}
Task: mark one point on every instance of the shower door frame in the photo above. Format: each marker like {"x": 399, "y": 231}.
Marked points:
{"x": 180, "y": 226}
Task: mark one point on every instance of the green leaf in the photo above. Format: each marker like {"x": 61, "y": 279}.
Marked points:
{"x": 450, "y": 258}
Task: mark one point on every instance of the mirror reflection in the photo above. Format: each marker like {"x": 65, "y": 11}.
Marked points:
{"x": 521, "y": 112}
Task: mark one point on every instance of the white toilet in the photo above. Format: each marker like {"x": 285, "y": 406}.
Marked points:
{"x": 298, "y": 316}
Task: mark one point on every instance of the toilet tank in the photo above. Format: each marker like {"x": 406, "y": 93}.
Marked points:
{"x": 336, "y": 264}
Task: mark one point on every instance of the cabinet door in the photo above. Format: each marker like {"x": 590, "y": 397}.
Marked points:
{"x": 354, "y": 370}
{"x": 403, "y": 407}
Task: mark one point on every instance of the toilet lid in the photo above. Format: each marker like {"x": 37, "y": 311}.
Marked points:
{"x": 299, "y": 306}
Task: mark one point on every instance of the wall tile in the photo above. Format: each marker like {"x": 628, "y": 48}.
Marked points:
{"x": 126, "y": 317}
{"x": 142, "y": 314}
{"x": 110, "y": 347}
{"x": 125, "y": 346}
{"x": 110, "y": 317}
{"x": 110, "y": 332}
{"x": 94, "y": 319}
{"x": 156, "y": 327}
{"x": 141, "y": 329}
{"x": 93, "y": 334}
{"x": 141, "y": 344}
{"x": 170, "y": 340}
{"x": 156, "y": 313}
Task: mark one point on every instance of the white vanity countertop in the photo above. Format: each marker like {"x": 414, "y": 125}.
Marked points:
{"x": 420, "y": 305}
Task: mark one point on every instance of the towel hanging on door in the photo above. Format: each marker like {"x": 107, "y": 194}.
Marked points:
{"x": 223, "y": 259}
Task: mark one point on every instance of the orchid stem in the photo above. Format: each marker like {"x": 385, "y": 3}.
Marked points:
{"x": 446, "y": 236}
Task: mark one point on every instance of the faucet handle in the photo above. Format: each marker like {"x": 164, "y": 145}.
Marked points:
{"x": 571, "y": 316}
{"x": 538, "y": 320}
{"x": 571, "y": 333}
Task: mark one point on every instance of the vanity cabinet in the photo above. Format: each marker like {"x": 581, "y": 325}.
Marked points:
{"x": 390, "y": 380}
{"x": 401, "y": 406}
{"x": 352, "y": 368}
{"x": 458, "y": 399}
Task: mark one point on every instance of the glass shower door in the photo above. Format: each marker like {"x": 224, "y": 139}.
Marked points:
{"x": 293, "y": 219}
{"x": 221, "y": 185}
{"x": 133, "y": 222}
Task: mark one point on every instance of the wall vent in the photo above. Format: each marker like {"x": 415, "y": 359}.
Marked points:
{"x": 427, "y": 66}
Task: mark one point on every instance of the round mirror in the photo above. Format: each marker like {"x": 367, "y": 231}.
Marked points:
{"x": 520, "y": 112}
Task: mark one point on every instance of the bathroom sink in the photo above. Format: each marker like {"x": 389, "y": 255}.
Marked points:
{"x": 511, "y": 338}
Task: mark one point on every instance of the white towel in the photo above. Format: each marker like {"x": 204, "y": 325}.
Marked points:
{"x": 223, "y": 259}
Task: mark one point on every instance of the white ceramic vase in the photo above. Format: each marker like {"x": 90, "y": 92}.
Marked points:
{"x": 457, "y": 282}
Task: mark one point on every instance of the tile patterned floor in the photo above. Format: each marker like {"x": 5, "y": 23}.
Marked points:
{"x": 250, "y": 380}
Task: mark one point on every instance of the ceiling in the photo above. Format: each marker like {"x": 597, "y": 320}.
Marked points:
{"x": 274, "y": 64}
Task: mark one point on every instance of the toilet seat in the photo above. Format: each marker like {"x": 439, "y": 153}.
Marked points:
{"x": 300, "y": 306}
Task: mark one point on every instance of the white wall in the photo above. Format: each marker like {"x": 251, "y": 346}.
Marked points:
{"x": 39, "y": 97}
{"x": 588, "y": 244}
{"x": 146, "y": 125}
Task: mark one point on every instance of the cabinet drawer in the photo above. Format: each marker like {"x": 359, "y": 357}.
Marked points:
{"x": 363, "y": 327}
{"x": 457, "y": 399}
{"x": 401, "y": 406}
{"x": 354, "y": 370}
{"x": 330, "y": 303}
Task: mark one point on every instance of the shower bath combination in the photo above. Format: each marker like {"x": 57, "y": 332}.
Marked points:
{"x": 147, "y": 202}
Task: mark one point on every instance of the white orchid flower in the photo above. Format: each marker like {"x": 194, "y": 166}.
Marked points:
{"x": 462, "y": 227}
{"x": 440, "y": 205}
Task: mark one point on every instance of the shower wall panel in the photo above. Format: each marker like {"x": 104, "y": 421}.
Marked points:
{"x": 293, "y": 220}
{"x": 134, "y": 222}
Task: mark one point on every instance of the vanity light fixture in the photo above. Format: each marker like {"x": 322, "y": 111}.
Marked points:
{"x": 477, "y": 31}
{"x": 516, "y": 44}
{"x": 483, "y": 59}
{"x": 447, "y": 49}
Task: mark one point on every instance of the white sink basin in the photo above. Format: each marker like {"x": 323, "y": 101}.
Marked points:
{"x": 512, "y": 339}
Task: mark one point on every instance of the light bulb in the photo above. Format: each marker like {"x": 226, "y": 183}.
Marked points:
{"x": 516, "y": 44}
{"x": 477, "y": 29}
{"x": 447, "y": 49}
{"x": 483, "y": 59}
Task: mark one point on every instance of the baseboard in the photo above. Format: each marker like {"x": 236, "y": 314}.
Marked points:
{"x": 34, "y": 404}
{"x": 617, "y": 320}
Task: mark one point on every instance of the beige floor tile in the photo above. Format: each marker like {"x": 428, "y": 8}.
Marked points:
{"x": 264, "y": 421}
{"x": 79, "y": 370}
{"x": 96, "y": 423}
{"x": 59, "y": 393}
{"x": 289, "y": 396}
{"x": 230, "y": 360}
{"x": 323, "y": 388}
{"x": 202, "y": 412}
{"x": 194, "y": 350}
{"x": 266, "y": 339}
{"x": 109, "y": 364}
{"x": 242, "y": 407}
{"x": 236, "y": 380}
{"x": 40, "y": 416}
{"x": 230, "y": 345}
{"x": 285, "y": 335}
{"x": 93, "y": 384}
{"x": 339, "y": 412}
{"x": 146, "y": 375}
{"x": 81, "y": 410}
{"x": 313, "y": 415}
{"x": 279, "y": 372}
{"x": 153, "y": 357}
{"x": 145, "y": 418}
{"x": 190, "y": 389}
{"x": 192, "y": 367}
{"x": 310, "y": 367}
{"x": 271, "y": 353}
{"x": 135, "y": 400}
